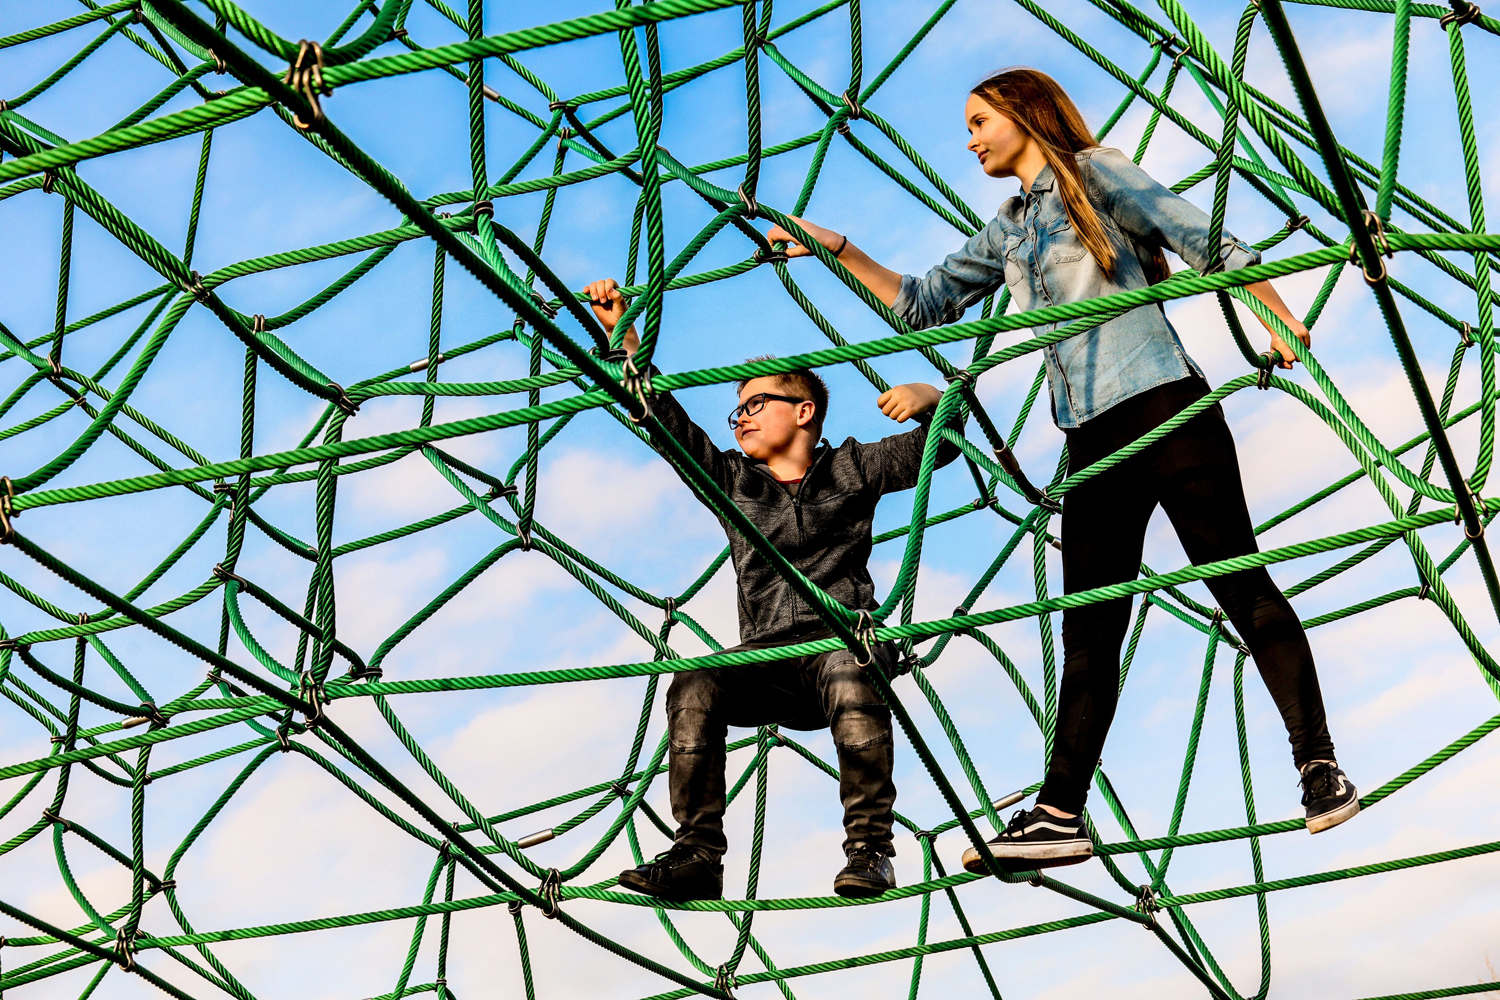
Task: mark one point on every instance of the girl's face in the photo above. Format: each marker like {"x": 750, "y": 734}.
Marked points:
{"x": 994, "y": 138}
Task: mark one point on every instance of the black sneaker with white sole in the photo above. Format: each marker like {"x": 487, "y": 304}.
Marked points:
{"x": 1035, "y": 839}
{"x": 1328, "y": 794}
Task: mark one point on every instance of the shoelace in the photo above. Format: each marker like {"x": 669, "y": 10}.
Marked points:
{"x": 1317, "y": 782}
{"x": 1017, "y": 823}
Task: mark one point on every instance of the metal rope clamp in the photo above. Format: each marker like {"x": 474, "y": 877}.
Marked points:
{"x": 1263, "y": 373}
{"x": 1376, "y": 227}
{"x": 1478, "y": 502}
{"x": 310, "y": 691}
{"x": 864, "y": 631}
{"x": 725, "y": 981}
{"x": 637, "y": 385}
{"x": 195, "y": 288}
{"x": 1146, "y": 904}
{"x": 125, "y": 948}
{"x": 752, "y": 207}
{"x": 1463, "y": 13}
{"x": 7, "y": 509}
{"x": 305, "y": 75}
{"x": 1466, "y": 333}
{"x": 551, "y": 892}
{"x": 342, "y": 401}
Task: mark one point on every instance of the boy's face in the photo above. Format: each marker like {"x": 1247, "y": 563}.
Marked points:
{"x": 771, "y": 431}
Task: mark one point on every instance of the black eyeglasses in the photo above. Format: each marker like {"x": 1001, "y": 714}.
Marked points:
{"x": 756, "y": 403}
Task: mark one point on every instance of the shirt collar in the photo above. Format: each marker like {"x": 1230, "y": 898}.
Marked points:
{"x": 1043, "y": 181}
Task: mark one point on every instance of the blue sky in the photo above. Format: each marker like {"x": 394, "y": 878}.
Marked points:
{"x": 293, "y": 844}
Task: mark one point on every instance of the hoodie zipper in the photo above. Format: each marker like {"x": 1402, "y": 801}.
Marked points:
{"x": 797, "y": 497}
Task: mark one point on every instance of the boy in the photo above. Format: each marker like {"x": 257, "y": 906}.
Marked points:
{"x": 815, "y": 503}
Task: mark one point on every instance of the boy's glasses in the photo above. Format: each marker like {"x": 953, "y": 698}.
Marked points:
{"x": 756, "y": 403}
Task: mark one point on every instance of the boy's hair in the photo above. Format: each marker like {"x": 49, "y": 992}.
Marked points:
{"x": 799, "y": 381}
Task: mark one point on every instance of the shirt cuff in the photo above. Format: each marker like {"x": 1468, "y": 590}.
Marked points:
{"x": 906, "y": 299}
{"x": 1235, "y": 254}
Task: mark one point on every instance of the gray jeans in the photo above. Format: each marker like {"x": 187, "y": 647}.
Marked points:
{"x": 806, "y": 692}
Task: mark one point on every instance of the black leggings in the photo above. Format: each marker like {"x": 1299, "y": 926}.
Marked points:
{"x": 1194, "y": 474}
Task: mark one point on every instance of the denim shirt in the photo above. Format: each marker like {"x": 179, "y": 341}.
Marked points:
{"x": 1033, "y": 248}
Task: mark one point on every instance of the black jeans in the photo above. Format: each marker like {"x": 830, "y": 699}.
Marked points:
{"x": 806, "y": 692}
{"x": 1194, "y": 475}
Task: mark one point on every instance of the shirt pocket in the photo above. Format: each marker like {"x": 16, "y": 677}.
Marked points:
{"x": 1063, "y": 244}
{"x": 1014, "y": 251}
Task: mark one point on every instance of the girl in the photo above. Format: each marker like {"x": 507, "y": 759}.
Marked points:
{"x": 1089, "y": 222}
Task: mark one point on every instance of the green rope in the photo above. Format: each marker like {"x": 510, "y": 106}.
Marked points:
{"x": 281, "y": 701}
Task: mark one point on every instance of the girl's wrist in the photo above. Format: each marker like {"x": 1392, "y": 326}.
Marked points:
{"x": 844, "y": 242}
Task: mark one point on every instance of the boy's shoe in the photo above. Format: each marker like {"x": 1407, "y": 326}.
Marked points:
{"x": 868, "y": 873}
{"x": 1330, "y": 797}
{"x": 1035, "y": 839}
{"x": 678, "y": 876}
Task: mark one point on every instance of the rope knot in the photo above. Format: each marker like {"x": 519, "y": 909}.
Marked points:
{"x": 752, "y": 207}
{"x": 1300, "y": 222}
{"x": 772, "y": 256}
{"x": 1466, "y": 332}
{"x": 305, "y": 75}
{"x": 855, "y": 111}
{"x": 485, "y": 207}
{"x": 639, "y": 386}
{"x": 928, "y": 835}
{"x": 49, "y": 181}
{"x": 52, "y": 817}
{"x": 563, "y": 106}
{"x": 1463, "y": 13}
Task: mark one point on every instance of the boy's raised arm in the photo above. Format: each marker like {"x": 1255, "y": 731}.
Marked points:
{"x": 609, "y": 306}
{"x": 893, "y": 463}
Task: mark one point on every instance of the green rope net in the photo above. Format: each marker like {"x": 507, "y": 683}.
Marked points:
{"x": 104, "y": 714}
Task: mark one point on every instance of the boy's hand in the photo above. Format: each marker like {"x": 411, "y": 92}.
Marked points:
{"x": 902, "y": 402}
{"x": 609, "y": 306}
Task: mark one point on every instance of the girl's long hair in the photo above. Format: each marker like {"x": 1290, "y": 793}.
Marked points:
{"x": 1044, "y": 111}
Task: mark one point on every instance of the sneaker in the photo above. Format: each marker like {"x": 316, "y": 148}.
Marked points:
{"x": 678, "y": 876}
{"x": 868, "y": 873}
{"x": 1328, "y": 794}
{"x": 1037, "y": 838}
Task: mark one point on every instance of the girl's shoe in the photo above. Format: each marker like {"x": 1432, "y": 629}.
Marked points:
{"x": 1330, "y": 797}
{"x": 1035, "y": 839}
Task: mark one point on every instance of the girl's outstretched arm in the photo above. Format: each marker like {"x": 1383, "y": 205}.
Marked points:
{"x": 1264, "y": 291}
{"x": 885, "y": 283}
